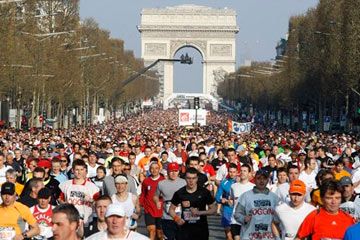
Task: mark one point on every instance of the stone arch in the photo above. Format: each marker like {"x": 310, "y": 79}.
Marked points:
{"x": 176, "y": 46}
{"x": 211, "y": 31}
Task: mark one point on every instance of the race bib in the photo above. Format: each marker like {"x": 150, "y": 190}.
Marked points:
{"x": 189, "y": 217}
{"x": 7, "y": 233}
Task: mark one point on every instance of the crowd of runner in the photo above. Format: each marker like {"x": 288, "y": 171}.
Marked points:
{"x": 99, "y": 182}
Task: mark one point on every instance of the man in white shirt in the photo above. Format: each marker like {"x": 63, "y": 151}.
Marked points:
{"x": 237, "y": 189}
{"x": 3, "y": 169}
{"x": 289, "y": 216}
{"x": 92, "y": 165}
{"x": 116, "y": 226}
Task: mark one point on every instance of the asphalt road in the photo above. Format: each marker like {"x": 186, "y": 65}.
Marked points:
{"x": 215, "y": 228}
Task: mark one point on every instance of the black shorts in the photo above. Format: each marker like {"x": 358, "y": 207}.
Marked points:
{"x": 150, "y": 220}
{"x": 235, "y": 229}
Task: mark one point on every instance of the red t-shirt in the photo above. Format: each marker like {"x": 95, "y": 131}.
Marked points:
{"x": 209, "y": 169}
{"x": 148, "y": 189}
{"x": 323, "y": 225}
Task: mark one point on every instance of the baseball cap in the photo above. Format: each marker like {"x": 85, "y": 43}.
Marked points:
{"x": 44, "y": 193}
{"x": 44, "y": 164}
{"x": 297, "y": 186}
{"x": 262, "y": 172}
{"x": 121, "y": 179}
{"x": 8, "y": 188}
{"x": 173, "y": 167}
{"x": 345, "y": 181}
{"x": 115, "y": 209}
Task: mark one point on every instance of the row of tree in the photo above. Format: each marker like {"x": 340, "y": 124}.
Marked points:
{"x": 319, "y": 71}
{"x": 52, "y": 64}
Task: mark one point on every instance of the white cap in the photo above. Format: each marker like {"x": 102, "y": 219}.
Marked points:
{"x": 121, "y": 179}
{"x": 115, "y": 209}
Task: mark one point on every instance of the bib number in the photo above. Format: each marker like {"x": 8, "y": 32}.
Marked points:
{"x": 189, "y": 217}
{"x": 7, "y": 233}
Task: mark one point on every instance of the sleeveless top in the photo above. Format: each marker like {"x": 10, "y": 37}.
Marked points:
{"x": 128, "y": 204}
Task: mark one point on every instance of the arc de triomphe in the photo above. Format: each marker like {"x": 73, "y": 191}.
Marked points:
{"x": 211, "y": 31}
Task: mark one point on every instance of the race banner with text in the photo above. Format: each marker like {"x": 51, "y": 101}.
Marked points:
{"x": 239, "y": 128}
{"x": 187, "y": 117}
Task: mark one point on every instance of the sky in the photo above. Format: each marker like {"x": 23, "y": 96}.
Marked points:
{"x": 262, "y": 24}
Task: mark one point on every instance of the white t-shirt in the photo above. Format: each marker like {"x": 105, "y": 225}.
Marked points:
{"x": 290, "y": 218}
{"x": 91, "y": 171}
{"x": 356, "y": 178}
{"x": 78, "y": 195}
{"x": 222, "y": 172}
{"x": 283, "y": 192}
{"x": 130, "y": 235}
{"x": 308, "y": 179}
{"x": 237, "y": 189}
{"x": 3, "y": 172}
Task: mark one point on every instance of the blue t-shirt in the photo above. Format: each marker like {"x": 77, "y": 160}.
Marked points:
{"x": 352, "y": 232}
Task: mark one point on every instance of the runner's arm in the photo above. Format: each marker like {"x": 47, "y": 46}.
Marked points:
{"x": 211, "y": 210}
{"x": 34, "y": 230}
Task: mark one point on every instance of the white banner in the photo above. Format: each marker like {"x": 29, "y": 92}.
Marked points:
{"x": 187, "y": 117}
{"x": 239, "y": 128}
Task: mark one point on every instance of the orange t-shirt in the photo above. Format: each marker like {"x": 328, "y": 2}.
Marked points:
{"x": 342, "y": 173}
{"x": 320, "y": 224}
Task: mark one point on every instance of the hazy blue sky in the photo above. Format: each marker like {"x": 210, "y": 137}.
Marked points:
{"x": 262, "y": 23}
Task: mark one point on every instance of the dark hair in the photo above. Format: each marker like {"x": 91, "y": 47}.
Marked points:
{"x": 116, "y": 159}
{"x": 232, "y": 165}
{"x": 219, "y": 150}
{"x": 165, "y": 152}
{"x": 292, "y": 166}
{"x": 69, "y": 210}
{"x": 132, "y": 154}
{"x": 231, "y": 150}
{"x": 191, "y": 171}
{"x": 192, "y": 158}
{"x": 39, "y": 169}
{"x": 307, "y": 162}
{"x": 281, "y": 169}
{"x": 79, "y": 162}
{"x": 272, "y": 155}
{"x": 247, "y": 166}
{"x": 330, "y": 186}
{"x": 321, "y": 174}
{"x": 102, "y": 168}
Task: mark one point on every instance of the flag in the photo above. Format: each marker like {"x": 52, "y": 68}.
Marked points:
{"x": 239, "y": 128}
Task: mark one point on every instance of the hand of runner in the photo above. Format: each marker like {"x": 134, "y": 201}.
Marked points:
{"x": 224, "y": 200}
{"x": 180, "y": 222}
{"x": 158, "y": 205}
{"x": 185, "y": 204}
{"x": 195, "y": 211}
{"x": 18, "y": 237}
{"x": 247, "y": 218}
{"x": 135, "y": 216}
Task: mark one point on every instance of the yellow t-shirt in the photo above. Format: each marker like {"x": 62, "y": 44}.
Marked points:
{"x": 342, "y": 173}
{"x": 15, "y": 217}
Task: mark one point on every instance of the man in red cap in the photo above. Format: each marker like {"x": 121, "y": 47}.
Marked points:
{"x": 165, "y": 190}
{"x": 289, "y": 216}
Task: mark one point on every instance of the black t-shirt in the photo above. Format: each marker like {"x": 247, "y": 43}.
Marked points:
{"x": 327, "y": 160}
{"x": 91, "y": 228}
{"x": 198, "y": 199}
{"x": 28, "y": 200}
{"x": 216, "y": 163}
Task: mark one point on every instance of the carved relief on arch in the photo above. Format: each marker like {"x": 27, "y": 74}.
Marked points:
{"x": 175, "y": 45}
